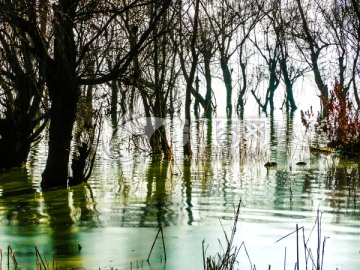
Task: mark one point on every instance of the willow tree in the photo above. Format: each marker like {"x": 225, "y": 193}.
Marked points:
{"x": 283, "y": 17}
{"x": 75, "y": 29}
{"x": 339, "y": 18}
{"x": 309, "y": 35}
{"x": 269, "y": 50}
{"x": 22, "y": 116}
{"x": 354, "y": 24}
{"x": 250, "y": 18}
{"x": 224, "y": 22}
{"x": 207, "y": 51}
{"x": 185, "y": 40}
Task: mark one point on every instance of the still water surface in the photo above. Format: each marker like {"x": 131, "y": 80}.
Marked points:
{"x": 116, "y": 216}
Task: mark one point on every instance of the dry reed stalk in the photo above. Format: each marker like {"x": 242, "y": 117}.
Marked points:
{"x": 163, "y": 242}
{"x": 10, "y": 250}
{"x": 227, "y": 259}
{"x": 39, "y": 259}
{"x": 317, "y": 263}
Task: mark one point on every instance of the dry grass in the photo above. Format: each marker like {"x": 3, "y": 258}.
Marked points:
{"x": 226, "y": 259}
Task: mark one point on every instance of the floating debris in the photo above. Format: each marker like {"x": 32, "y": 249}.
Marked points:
{"x": 270, "y": 164}
{"x": 301, "y": 163}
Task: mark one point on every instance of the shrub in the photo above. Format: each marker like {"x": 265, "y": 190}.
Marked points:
{"x": 341, "y": 122}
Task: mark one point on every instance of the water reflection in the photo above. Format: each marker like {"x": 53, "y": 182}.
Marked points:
{"x": 20, "y": 203}
{"x": 67, "y": 210}
{"x": 156, "y": 210}
{"x": 147, "y": 192}
{"x": 63, "y": 240}
{"x": 187, "y": 190}
{"x": 48, "y": 220}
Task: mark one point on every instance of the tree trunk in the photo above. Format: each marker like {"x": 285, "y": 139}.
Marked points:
{"x": 241, "y": 97}
{"x": 20, "y": 126}
{"x": 273, "y": 85}
{"x": 196, "y": 103}
{"x": 324, "y": 93}
{"x": 64, "y": 95}
{"x": 224, "y": 63}
{"x": 14, "y": 143}
{"x": 314, "y": 55}
{"x": 288, "y": 85}
{"x": 62, "y": 118}
{"x": 189, "y": 87}
{"x": 186, "y": 129}
{"x": 114, "y": 100}
{"x": 208, "y": 108}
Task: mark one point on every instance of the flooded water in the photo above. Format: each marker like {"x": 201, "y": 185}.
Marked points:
{"x": 112, "y": 221}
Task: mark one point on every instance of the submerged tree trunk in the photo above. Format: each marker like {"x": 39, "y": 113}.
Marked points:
{"x": 315, "y": 50}
{"x": 17, "y": 128}
{"x": 196, "y": 103}
{"x": 288, "y": 85}
{"x": 64, "y": 95}
{"x": 21, "y": 94}
{"x": 241, "y": 98}
{"x": 273, "y": 84}
{"x": 114, "y": 101}
{"x": 189, "y": 86}
{"x": 224, "y": 63}
{"x": 208, "y": 94}
{"x": 324, "y": 93}
{"x": 14, "y": 142}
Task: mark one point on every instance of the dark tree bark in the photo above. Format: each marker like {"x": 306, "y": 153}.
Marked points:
{"x": 270, "y": 54}
{"x": 241, "y": 98}
{"x": 208, "y": 94}
{"x": 224, "y": 64}
{"x": 189, "y": 85}
{"x": 274, "y": 82}
{"x": 63, "y": 86}
{"x": 288, "y": 84}
{"x": 289, "y": 72}
{"x": 315, "y": 51}
{"x": 23, "y": 121}
{"x": 160, "y": 141}
{"x": 207, "y": 51}
{"x": 64, "y": 94}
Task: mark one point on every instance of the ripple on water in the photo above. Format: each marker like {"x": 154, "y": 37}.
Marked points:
{"x": 116, "y": 215}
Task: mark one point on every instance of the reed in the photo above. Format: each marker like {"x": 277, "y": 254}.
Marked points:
{"x": 226, "y": 259}
{"x": 163, "y": 242}
{"x": 11, "y": 254}
{"x": 40, "y": 264}
{"x": 317, "y": 261}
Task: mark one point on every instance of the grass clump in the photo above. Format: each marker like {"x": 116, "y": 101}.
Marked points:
{"x": 226, "y": 258}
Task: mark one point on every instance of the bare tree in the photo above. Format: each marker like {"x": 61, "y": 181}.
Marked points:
{"x": 308, "y": 35}
{"x": 22, "y": 117}
{"x": 207, "y": 50}
{"x": 64, "y": 52}
{"x": 269, "y": 49}
{"x": 339, "y": 19}
{"x": 224, "y": 21}
{"x": 282, "y": 17}
{"x": 189, "y": 83}
{"x": 354, "y": 23}
{"x": 243, "y": 44}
